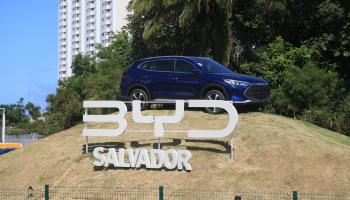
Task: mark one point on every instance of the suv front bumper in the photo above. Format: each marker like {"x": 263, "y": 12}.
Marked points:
{"x": 253, "y": 94}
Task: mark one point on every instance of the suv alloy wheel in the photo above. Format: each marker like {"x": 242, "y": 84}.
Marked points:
{"x": 214, "y": 95}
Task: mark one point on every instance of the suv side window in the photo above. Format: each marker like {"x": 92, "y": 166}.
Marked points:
{"x": 183, "y": 66}
{"x": 145, "y": 66}
{"x": 159, "y": 65}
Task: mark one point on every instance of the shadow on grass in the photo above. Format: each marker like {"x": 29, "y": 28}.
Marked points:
{"x": 240, "y": 108}
{"x": 223, "y": 146}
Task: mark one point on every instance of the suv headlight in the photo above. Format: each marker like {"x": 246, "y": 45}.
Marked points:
{"x": 235, "y": 82}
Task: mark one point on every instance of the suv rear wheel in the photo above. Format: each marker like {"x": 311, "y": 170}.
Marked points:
{"x": 139, "y": 94}
{"x": 214, "y": 95}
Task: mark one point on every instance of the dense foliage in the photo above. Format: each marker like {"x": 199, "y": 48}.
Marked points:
{"x": 95, "y": 77}
{"x": 301, "y": 86}
{"x": 22, "y": 118}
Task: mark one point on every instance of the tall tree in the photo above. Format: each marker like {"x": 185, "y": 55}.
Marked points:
{"x": 83, "y": 65}
{"x": 34, "y": 111}
{"x": 209, "y": 23}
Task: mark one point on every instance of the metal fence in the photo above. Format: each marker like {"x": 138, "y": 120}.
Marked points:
{"x": 151, "y": 193}
{"x": 19, "y": 194}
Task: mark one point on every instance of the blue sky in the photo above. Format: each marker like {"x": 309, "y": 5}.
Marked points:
{"x": 28, "y": 51}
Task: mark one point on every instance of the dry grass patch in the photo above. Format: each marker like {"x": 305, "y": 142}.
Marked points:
{"x": 272, "y": 153}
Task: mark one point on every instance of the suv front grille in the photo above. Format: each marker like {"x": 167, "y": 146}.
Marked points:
{"x": 257, "y": 92}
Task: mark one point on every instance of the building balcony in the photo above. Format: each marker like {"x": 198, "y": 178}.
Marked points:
{"x": 76, "y": 25}
{"x": 108, "y": 22}
{"x": 91, "y": 20}
{"x": 63, "y": 3}
{"x": 90, "y": 35}
{"x": 108, "y": 6}
{"x": 76, "y": 46}
{"x": 76, "y": 32}
{"x": 62, "y": 67}
{"x": 62, "y": 11}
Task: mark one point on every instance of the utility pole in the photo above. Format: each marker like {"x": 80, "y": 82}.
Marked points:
{"x": 3, "y": 126}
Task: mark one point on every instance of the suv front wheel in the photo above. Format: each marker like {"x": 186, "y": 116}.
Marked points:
{"x": 214, "y": 95}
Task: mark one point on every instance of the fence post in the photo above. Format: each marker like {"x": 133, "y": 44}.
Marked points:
{"x": 295, "y": 195}
{"x": 161, "y": 193}
{"x": 237, "y": 198}
{"x": 46, "y": 192}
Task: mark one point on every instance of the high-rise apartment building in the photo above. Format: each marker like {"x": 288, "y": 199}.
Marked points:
{"x": 83, "y": 24}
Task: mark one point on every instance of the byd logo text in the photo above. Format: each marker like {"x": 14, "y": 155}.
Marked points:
{"x": 158, "y": 121}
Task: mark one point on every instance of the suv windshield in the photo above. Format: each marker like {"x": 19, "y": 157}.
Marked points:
{"x": 211, "y": 66}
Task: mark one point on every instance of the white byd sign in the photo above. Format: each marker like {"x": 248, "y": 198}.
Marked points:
{"x": 155, "y": 158}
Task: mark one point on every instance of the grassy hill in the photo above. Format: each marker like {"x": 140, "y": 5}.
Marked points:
{"x": 271, "y": 153}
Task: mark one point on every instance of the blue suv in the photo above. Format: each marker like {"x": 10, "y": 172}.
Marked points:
{"x": 184, "y": 77}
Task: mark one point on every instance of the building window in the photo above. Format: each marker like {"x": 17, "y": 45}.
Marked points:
{"x": 106, "y": 18}
{"x": 107, "y": 10}
{"x": 90, "y": 38}
{"x": 107, "y": 3}
{"x": 75, "y": 36}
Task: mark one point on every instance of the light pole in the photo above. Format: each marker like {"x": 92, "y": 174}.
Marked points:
{"x": 3, "y": 126}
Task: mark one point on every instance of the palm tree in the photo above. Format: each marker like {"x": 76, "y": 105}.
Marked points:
{"x": 276, "y": 4}
{"x": 208, "y": 20}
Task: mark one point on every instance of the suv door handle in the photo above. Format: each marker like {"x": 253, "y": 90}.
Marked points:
{"x": 174, "y": 78}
